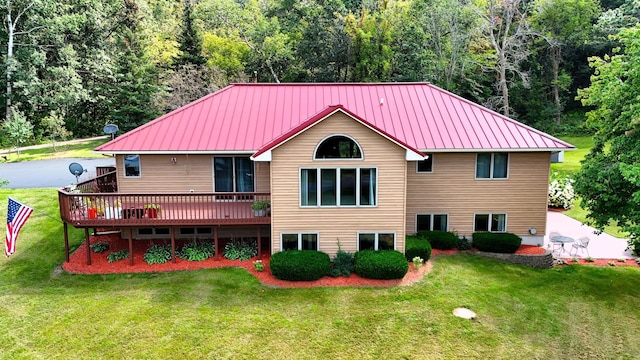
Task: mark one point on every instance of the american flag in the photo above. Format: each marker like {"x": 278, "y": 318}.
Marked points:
{"x": 16, "y": 217}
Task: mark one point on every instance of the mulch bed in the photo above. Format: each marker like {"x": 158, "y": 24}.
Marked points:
{"x": 100, "y": 265}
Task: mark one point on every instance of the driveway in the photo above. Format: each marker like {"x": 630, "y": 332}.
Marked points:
{"x": 603, "y": 246}
{"x": 49, "y": 173}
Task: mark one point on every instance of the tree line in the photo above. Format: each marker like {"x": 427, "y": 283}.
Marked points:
{"x": 73, "y": 66}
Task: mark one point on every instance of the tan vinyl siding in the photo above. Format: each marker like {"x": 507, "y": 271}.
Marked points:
{"x": 335, "y": 224}
{"x": 190, "y": 172}
{"x": 452, "y": 189}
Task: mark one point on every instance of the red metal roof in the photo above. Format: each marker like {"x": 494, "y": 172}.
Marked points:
{"x": 249, "y": 117}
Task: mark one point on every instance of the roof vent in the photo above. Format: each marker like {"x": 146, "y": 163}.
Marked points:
{"x": 381, "y": 101}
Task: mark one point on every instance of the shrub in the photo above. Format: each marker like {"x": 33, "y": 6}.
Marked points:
{"x": 241, "y": 250}
{"x": 464, "y": 243}
{"x": 99, "y": 247}
{"x": 197, "y": 251}
{"x": 417, "y": 246}
{"x": 300, "y": 265}
{"x": 442, "y": 240}
{"x": 497, "y": 242}
{"x": 342, "y": 264}
{"x": 633, "y": 244}
{"x": 118, "y": 255}
{"x": 381, "y": 264}
{"x": 157, "y": 254}
{"x": 561, "y": 192}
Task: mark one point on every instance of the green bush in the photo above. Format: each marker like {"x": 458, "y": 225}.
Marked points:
{"x": 442, "y": 240}
{"x": 497, "y": 242}
{"x": 300, "y": 265}
{"x": 118, "y": 255}
{"x": 464, "y": 244}
{"x": 381, "y": 264}
{"x": 241, "y": 250}
{"x": 197, "y": 251}
{"x": 99, "y": 247}
{"x": 157, "y": 254}
{"x": 342, "y": 264}
{"x": 417, "y": 246}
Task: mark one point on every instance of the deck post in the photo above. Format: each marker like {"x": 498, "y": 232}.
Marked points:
{"x": 173, "y": 244}
{"x": 259, "y": 244}
{"x": 215, "y": 242}
{"x": 66, "y": 241}
{"x": 86, "y": 240}
{"x": 130, "y": 247}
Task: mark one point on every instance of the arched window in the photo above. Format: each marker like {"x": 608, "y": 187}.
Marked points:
{"x": 338, "y": 147}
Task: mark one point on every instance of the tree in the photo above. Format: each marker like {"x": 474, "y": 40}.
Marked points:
{"x": 563, "y": 23}
{"x": 19, "y": 130}
{"x": 189, "y": 40}
{"x": 609, "y": 180}
{"x": 55, "y": 128}
{"x": 506, "y": 25}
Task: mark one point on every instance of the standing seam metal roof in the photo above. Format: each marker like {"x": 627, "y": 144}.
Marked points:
{"x": 246, "y": 117}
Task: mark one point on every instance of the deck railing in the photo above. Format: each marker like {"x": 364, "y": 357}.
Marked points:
{"x": 93, "y": 209}
{"x": 106, "y": 182}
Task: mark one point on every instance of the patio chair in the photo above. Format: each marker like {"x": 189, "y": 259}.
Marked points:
{"x": 581, "y": 244}
{"x": 555, "y": 246}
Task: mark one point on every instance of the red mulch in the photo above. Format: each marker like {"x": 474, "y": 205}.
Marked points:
{"x": 100, "y": 265}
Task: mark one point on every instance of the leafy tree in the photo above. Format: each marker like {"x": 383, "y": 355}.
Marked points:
{"x": 55, "y": 128}
{"x": 609, "y": 180}
{"x": 19, "y": 130}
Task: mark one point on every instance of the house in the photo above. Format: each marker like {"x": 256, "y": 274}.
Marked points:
{"x": 351, "y": 165}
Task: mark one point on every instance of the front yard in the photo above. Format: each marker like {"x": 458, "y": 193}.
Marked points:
{"x": 565, "y": 312}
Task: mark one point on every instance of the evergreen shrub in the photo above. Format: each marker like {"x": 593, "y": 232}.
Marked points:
{"x": 381, "y": 264}
{"x": 300, "y": 265}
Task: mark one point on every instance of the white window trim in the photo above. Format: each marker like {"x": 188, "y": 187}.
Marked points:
{"x": 506, "y": 224}
{"x": 430, "y": 155}
{"x": 300, "y": 233}
{"x": 233, "y": 170}
{"x": 376, "y": 241}
{"x": 431, "y": 220}
{"x": 338, "y": 173}
{"x": 475, "y": 169}
{"x": 315, "y": 151}
{"x": 124, "y": 167}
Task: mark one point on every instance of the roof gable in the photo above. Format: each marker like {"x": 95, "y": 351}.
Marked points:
{"x": 264, "y": 153}
{"x": 246, "y": 118}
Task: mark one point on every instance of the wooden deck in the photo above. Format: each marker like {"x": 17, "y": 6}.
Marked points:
{"x": 80, "y": 209}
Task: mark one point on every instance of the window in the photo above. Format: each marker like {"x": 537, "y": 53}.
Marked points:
{"x": 490, "y": 222}
{"x": 338, "y": 187}
{"x": 431, "y": 222}
{"x": 195, "y": 231}
{"x": 298, "y": 241}
{"x": 376, "y": 241}
{"x": 426, "y": 165}
{"x": 132, "y": 166}
{"x": 233, "y": 174}
{"x": 338, "y": 147}
{"x": 492, "y": 165}
{"x": 153, "y": 231}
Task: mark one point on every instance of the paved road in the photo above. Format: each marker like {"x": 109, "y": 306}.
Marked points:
{"x": 49, "y": 173}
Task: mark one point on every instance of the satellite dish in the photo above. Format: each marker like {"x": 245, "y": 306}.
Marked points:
{"x": 77, "y": 170}
{"x": 111, "y": 129}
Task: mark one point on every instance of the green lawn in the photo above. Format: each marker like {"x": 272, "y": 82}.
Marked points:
{"x": 563, "y": 313}
{"x": 82, "y": 150}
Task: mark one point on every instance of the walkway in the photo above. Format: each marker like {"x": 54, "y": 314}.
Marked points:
{"x": 603, "y": 246}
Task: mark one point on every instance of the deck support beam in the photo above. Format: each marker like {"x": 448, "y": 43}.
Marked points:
{"x": 259, "y": 244}
{"x": 65, "y": 227}
{"x": 215, "y": 242}
{"x": 131, "y": 247}
{"x": 86, "y": 240}
{"x": 173, "y": 244}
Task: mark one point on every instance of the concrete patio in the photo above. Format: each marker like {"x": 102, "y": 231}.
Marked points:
{"x": 603, "y": 246}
